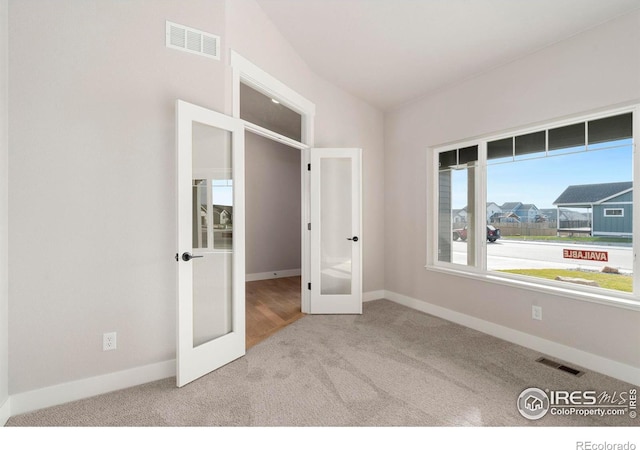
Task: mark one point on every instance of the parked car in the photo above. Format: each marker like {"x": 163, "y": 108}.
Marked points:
{"x": 493, "y": 233}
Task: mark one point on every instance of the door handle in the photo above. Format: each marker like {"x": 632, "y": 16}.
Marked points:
{"x": 186, "y": 256}
{"x": 354, "y": 239}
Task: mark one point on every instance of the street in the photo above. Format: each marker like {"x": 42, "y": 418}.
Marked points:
{"x": 507, "y": 254}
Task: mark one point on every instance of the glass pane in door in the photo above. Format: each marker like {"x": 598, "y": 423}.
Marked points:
{"x": 212, "y": 233}
{"x": 336, "y": 229}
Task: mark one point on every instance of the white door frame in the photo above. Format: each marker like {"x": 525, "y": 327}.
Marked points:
{"x": 251, "y": 75}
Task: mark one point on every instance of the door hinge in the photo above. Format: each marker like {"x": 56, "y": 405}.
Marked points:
{"x": 309, "y": 286}
{"x": 308, "y": 166}
{"x": 309, "y": 226}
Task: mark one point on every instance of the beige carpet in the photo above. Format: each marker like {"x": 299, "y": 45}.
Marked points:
{"x": 390, "y": 366}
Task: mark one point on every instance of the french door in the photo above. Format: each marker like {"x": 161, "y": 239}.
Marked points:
{"x": 211, "y": 253}
{"x": 211, "y": 238}
{"x": 336, "y": 236}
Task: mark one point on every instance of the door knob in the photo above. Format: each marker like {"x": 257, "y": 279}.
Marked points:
{"x": 354, "y": 239}
{"x": 186, "y": 256}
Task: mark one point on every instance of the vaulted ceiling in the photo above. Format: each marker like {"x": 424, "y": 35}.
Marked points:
{"x": 389, "y": 52}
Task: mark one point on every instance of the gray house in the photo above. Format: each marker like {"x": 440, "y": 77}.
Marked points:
{"x": 611, "y": 205}
{"x": 517, "y": 212}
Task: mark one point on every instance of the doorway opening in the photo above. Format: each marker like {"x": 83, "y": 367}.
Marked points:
{"x": 273, "y": 236}
{"x": 248, "y": 75}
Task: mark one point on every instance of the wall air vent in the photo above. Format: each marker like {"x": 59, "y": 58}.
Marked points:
{"x": 192, "y": 40}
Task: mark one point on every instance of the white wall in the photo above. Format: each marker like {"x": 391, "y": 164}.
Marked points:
{"x": 593, "y": 70}
{"x": 341, "y": 119}
{"x": 4, "y": 184}
{"x": 272, "y": 199}
{"x": 92, "y": 198}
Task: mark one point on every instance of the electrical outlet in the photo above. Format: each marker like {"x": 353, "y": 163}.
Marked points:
{"x": 536, "y": 312}
{"x": 109, "y": 341}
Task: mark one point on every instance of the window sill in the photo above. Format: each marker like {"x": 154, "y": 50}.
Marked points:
{"x": 618, "y": 300}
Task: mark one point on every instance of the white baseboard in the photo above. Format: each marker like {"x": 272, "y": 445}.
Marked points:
{"x": 89, "y": 387}
{"x": 581, "y": 358}
{"x": 5, "y": 412}
{"x": 372, "y": 295}
{"x": 274, "y": 274}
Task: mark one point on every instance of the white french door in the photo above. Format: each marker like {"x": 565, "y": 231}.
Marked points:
{"x": 210, "y": 258}
{"x": 336, "y": 231}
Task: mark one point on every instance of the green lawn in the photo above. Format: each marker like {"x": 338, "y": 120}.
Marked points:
{"x": 605, "y": 280}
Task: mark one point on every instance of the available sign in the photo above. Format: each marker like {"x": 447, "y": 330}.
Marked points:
{"x": 589, "y": 255}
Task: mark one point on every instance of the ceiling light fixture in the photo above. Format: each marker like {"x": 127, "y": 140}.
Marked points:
{"x": 275, "y": 101}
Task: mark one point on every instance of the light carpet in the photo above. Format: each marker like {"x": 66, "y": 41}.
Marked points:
{"x": 390, "y": 366}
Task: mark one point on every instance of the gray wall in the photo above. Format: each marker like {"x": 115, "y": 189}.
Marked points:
{"x": 341, "y": 119}
{"x": 593, "y": 70}
{"x": 4, "y": 184}
{"x": 272, "y": 190}
{"x": 92, "y": 198}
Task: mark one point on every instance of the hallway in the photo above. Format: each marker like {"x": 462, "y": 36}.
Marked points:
{"x": 270, "y": 306}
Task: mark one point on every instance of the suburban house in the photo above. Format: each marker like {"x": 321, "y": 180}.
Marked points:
{"x": 609, "y": 204}
{"x": 493, "y": 210}
{"x": 518, "y": 212}
{"x": 100, "y": 101}
{"x": 460, "y": 215}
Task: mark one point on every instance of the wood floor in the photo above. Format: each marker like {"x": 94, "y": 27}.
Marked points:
{"x": 270, "y": 306}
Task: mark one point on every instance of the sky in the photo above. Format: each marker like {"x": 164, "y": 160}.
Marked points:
{"x": 222, "y": 192}
{"x": 540, "y": 181}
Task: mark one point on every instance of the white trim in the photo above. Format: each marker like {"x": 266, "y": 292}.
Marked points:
{"x": 572, "y": 355}
{"x": 373, "y": 295}
{"x": 5, "y": 412}
{"x": 614, "y": 203}
{"x": 271, "y": 275}
{"x": 89, "y": 387}
{"x": 611, "y": 233}
{"x": 255, "y": 77}
{"x": 265, "y": 132}
{"x": 248, "y": 73}
{"x": 613, "y": 215}
{"x": 606, "y": 199}
{"x": 586, "y": 293}
{"x": 635, "y": 212}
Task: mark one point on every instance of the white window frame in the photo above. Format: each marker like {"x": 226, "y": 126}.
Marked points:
{"x": 606, "y": 210}
{"x": 479, "y": 272}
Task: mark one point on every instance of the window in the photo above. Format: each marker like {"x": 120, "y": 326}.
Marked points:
{"x": 551, "y": 206}
{"x": 456, "y": 184}
{"x": 614, "y": 212}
